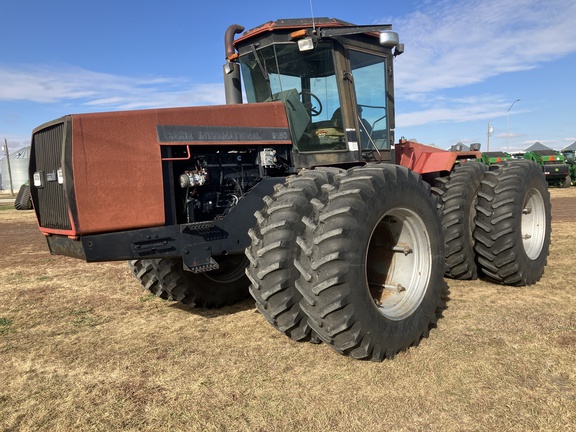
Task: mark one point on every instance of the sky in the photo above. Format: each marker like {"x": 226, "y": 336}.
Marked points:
{"x": 468, "y": 64}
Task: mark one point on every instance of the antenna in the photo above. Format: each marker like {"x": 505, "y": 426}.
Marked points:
{"x": 313, "y": 23}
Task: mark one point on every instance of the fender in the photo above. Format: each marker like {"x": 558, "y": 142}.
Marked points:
{"x": 427, "y": 159}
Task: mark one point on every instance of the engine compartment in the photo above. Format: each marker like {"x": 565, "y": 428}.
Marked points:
{"x": 208, "y": 182}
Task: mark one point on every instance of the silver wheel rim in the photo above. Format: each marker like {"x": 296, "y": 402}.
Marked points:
{"x": 398, "y": 263}
{"x": 533, "y": 224}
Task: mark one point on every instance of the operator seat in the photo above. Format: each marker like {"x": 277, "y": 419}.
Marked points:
{"x": 365, "y": 130}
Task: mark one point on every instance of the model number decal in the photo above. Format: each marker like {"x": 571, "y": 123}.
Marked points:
{"x": 172, "y": 133}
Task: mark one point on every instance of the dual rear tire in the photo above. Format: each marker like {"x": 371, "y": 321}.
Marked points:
{"x": 353, "y": 259}
{"x": 513, "y": 224}
{"x": 372, "y": 263}
{"x": 497, "y": 222}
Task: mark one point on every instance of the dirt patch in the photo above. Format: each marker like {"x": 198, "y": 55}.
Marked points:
{"x": 83, "y": 347}
{"x": 563, "y": 207}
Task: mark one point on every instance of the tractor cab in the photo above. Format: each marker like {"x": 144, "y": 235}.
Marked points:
{"x": 336, "y": 82}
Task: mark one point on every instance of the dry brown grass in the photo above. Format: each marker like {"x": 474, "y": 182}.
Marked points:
{"x": 82, "y": 347}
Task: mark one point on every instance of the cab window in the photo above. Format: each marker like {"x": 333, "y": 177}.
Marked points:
{"x": 369, "y": 72}
{"x": 306, "y": 82}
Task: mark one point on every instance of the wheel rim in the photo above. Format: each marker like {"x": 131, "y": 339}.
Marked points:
{"x": 533, "y": 224}
{"x": 231, "y": 269}
{"x": 398, "y": 263}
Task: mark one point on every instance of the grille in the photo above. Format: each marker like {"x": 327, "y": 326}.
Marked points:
{"x": 51, "y": 205}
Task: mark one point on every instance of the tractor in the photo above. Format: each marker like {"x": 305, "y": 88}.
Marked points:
{"x": 23, "y": 200}
{"x": 299, "y": 196}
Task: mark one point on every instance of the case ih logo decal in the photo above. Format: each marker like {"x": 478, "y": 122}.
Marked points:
{"x": 171, "y": 133}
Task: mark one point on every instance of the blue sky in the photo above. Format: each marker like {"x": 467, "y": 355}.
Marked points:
{"x": 465, "y": 62}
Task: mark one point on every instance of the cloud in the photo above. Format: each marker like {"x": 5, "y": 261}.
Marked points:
{"x": 512, "y": 135}
{"x": 190, "y": 95}
{"x": 451, "y": 44}
{"x": 44, "y": 84}
{"x": 438, "y": 108}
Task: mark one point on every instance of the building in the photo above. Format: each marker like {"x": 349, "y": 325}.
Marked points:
{"x": 19, "y": 168}
{"x": 537, "y": 146}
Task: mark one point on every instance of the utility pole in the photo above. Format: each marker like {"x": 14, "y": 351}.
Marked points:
{"x": 9, "y": 169}
{"x": 490, "y": 130}
{"x": 508, "y": 125}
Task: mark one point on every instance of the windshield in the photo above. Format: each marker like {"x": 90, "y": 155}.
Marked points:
{"x": 306, "y": 82}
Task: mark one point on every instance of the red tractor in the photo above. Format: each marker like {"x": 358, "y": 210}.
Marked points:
{"x": 298, "y": 196}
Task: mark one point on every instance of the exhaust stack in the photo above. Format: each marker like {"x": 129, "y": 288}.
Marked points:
{"x": 232, "y": 83}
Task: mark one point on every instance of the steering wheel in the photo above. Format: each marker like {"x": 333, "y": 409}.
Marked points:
{"x": 313, "y": 110}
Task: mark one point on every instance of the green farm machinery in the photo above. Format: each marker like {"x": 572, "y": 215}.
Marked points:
{"x": 556, "y": 170}
{"x": 569, "y": 158}
{"x": 491, "y": 158}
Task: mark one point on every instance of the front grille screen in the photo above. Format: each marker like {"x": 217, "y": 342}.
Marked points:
{"x": 50, "y": 201}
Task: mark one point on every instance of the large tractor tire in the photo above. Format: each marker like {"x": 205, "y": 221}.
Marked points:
{"x": 458, "y": 196}
{"x": 144, "y": 271}
{"x": 167, "y": 279}
{"x": 273, "y": 251}
{"x": 513, "y": 224}
{"x": 373, "y": 262}
{"x": 23, "y": 201}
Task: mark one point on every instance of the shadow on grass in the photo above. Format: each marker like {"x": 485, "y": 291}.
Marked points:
{"x": 243, "y": 306}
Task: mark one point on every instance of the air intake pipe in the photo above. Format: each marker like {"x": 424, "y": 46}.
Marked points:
{"x": 232, "y": 83}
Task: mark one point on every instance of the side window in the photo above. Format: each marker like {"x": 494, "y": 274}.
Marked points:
{"x": 369, "y": 73}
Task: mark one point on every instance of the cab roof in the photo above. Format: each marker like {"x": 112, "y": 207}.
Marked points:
{"x": 292, "y": 24}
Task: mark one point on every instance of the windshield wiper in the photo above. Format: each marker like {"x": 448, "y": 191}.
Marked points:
{"x": 262, "y": 69}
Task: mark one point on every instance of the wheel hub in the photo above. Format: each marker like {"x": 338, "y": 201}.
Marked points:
{"x": 398, "y": 263}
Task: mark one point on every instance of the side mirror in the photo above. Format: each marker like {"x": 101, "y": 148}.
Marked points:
{"x": 389, "y": 39}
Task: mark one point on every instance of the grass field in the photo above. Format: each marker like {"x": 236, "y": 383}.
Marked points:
{"x": 83, "y": 347}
